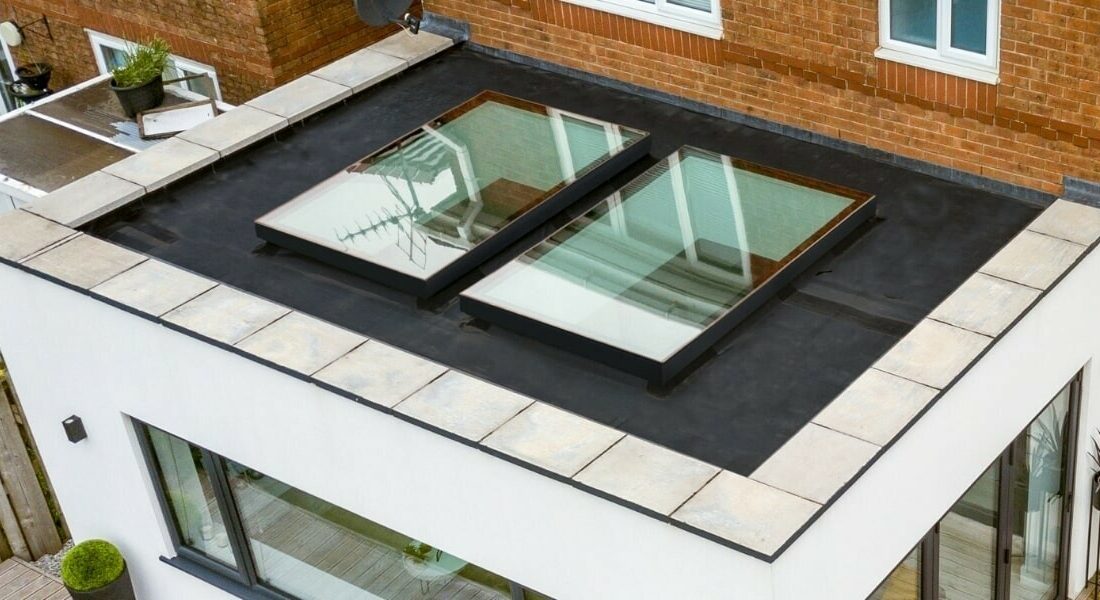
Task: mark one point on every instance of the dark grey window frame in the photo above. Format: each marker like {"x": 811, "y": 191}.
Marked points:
{"x": 242, "y": 582}
{"x": 929, "y": 545}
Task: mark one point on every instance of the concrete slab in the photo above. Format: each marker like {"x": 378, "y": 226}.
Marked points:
{"x": 301, "y": 343}
{"x": 1033, "y": 259}
{"x": 362, "y": 69}
{"x": 647, "y": 474}
{"x": 413, "y": 48}
{"x": 162, "y": 164}
{"x": 85, "y": 261}
{"x": 746, "y": 512}
{"x": 235, "y": 129}
{"x": 464, "y": 406}
{"x": 87, "y": 199}
{"x": 933, "y": 353}
{"x": 985, "y": 304}
{"x": 556, "y": 440}
{"x": 22, "y": 234}
{"x": 380, "y": 373}
{"x": 226, "y": 315}
{"x": 876, "y": 406}
{"x": 1070, "y": 221}
{"x": 815, "y": 463}
{"x": 154, "y": 287}
{"x": 301, "y": 98}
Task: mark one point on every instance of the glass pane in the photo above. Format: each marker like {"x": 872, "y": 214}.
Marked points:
{"x": 1038, "y": 500}
{"x": 968, "y": 541}
{"x": 904, "y": 582}
{"x": 969, "y": 21}
{"x": 913, "y": 21}
{"x": 426, "y": 200}
{"x": 190, "y": 496}
{"x": 314, "y": 550}
{"x": 112, "y": 57}
{"x": 702, "y": 5}
{"x": 653, "y": 266}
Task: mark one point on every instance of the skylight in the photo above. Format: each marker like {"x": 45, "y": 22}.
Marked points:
{"x": 428, "y": 208}
{"x": 654, "y": 275}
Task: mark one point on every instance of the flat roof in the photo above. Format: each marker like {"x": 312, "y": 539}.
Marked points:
{"x": 761, "y": 383}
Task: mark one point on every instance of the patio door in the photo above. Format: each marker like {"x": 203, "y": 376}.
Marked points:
{"x": 1007, "y": 537}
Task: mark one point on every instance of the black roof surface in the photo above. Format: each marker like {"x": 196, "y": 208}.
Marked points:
{"x": 762, "y": 383}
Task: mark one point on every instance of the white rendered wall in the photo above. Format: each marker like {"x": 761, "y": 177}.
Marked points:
{"x": 890, "y": 508}
{"x": 70, "y": 354}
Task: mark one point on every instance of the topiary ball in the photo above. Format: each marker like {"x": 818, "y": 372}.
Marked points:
{"x": 91, "y": 565}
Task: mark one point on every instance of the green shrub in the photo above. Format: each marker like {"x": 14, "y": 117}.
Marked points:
{"x": 142, "y": 63}
{"x": 91, "y": 565}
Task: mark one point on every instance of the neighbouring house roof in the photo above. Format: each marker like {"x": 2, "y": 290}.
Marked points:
{"x": 747, "y": 450}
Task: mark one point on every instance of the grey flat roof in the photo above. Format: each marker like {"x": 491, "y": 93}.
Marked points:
{"x": 762, "y": 383}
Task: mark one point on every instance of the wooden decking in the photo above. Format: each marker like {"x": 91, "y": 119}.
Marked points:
{"x": 314, "y": 558}
{"x": 20, "y": 581}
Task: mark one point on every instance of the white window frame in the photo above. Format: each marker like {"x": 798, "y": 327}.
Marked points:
{"x": 103, "y": 40}
{"x": 665, "y": 14}
{"x": 944, "y": 58}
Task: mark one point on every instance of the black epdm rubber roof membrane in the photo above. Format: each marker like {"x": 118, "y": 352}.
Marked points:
{"x": 757, "y": 387}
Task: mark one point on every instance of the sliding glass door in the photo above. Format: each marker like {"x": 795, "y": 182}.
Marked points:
{"x": 1005, "y": 538}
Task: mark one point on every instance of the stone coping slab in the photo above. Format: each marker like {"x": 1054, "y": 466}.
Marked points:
{"x": 226, "y": 315}
{"x": 1070, "y": 221}
{"x": 553, "y": 439}
{"x": 234, "y": 129}
{"x": 876, "y": 406}
{"x": 413, "y": 48}
{"x": 87, "y": 199}
{"x": 462, "y": 405}
{"x": 380, "y": 373}
{"x": 168, "y": 161}
{"x": 301, "y": 343}
{"x": 815, "y": 463}
{"x": 933, "y": 353}
{"x": 85, "y": 261}
{"x": 154, "y": 287}
{"x": 301, "y": 98}
{"x": 1033, "y": 259}
{"x": 23, "y": 234}
{"x": 985, "y": 304}
{"x": 361, "y": 70}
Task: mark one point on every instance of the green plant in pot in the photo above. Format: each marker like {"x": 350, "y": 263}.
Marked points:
{"x": 95, "y": 570}
{"x": 139, "y": 82}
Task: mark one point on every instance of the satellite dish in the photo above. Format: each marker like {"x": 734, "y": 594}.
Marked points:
{"x": 10, "y": 34}
{"x": 384, "y": 12}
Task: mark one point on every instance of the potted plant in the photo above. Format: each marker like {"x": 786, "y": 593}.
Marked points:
{"x": 419, "y": 552}
{"x": 35, "y": 75}
{"x": 95, "y": 570}
{"x": 139, "y": 83}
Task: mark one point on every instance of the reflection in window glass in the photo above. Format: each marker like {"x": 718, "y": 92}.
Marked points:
{"x": 309, "y": 548}
{"x": 968, "y": 541}
{"x": 904, "y": 582}
{"x": 913, "y": 21}
{"x": 968, "y": 24}
{"x": 190, "y": 496}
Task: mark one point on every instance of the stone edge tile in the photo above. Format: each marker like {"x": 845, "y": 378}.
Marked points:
{"x": 206, "y": 157}
{"x": 815, "y": 484}
{"x": 339, "y": 92}
{"x": 943, "y": 379}
{"x": 399, "y": 66}
{"x": 165, "y": 318}
{"x": 63, "y": 233}
{"x": 235, "y": 143}
{"x": 322, "y": 324}
{"x": 331, "y": 383}
{"x": 207, "y": 282}
{"x": 924, "y": 395}
{"x": 441, "y": 44}
{"x": 945, "y": 311}
{"x": 492, "y": 440}
{"x": 990, "y": 266}
{"x": 134, "y": 259}
{"x": 1052, "y": 222}
{"x": 399, "y": 407}
{"x": 54, "y": 206}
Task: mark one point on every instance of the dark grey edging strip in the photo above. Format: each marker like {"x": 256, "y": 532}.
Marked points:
{"x": 840, "y": 492}
{"x": 1081, "y": 190}
{"x": 1017, "y": 192}
{"x": 390, "y": 411}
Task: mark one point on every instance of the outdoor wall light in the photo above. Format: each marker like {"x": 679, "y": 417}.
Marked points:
{"x": 12, "y": 33}
{"x": 74, "y": 429}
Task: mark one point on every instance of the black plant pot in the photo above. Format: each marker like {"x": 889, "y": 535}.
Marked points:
{"x": 35, "y": 75}
{"x": 1096, "y": 491}
{"x": 141, "y": 97}
{"x": 119, "y": 589}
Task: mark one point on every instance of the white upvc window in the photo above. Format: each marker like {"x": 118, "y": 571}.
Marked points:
{"x": 109, "y": 52}
{"x": 957, "y": 37}
{"x": 701, "y": 17}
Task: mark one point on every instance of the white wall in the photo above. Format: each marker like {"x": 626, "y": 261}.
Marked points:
{"x": 70, "y": 354}
{"x": 890, "y": 508}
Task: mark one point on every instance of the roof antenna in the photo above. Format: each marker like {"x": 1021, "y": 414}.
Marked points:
{"x": 384, "y": 12}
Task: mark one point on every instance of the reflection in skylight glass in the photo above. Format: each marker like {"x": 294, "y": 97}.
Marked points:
{"x": 426, "y": 200}
{"x": 654, "y": 265}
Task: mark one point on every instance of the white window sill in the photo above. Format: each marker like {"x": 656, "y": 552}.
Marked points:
{"x": 975, "y": 73}
{"x": 697, "y": 27}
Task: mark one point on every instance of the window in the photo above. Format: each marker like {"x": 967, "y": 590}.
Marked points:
{"x": 1006, "y": 538}
{"x": 701, "y": 17}
{"x": 278, "y": 541}
{"x": 111, "y": 51}
{"x": 957, "y": 37}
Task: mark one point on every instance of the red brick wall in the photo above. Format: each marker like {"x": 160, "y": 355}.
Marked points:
{"x": 812, "y": 65}
{"x": 253, "y": 44}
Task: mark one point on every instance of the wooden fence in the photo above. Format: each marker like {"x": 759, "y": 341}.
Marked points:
{"x": 29, "y": 526}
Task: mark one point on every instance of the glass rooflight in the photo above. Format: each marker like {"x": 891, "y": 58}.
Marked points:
{"x": 428, "y": 208}
{"x": 653, "y": 276}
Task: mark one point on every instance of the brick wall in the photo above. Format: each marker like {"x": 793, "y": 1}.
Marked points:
{"x": 812, "y": 65}
{"x": 253, "y": 44}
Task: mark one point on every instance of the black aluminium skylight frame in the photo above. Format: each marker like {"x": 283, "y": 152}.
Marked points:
{"x": 666, "y": 372}
{"x": 555, "y": 201}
